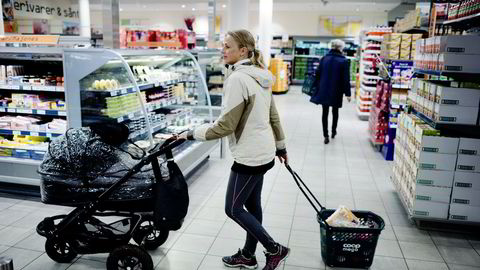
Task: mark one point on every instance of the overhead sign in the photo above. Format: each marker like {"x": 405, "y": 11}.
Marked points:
{"x": 45, "y": 9}
{"x": 33, "y": 39}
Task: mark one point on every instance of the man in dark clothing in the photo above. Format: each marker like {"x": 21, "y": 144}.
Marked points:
{"x": 332, "y": 79}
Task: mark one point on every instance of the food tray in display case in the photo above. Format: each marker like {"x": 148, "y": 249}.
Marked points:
{"x": 155, "y": 93}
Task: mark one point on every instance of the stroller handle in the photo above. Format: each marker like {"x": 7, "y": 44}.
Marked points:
{"x": 166, "y": 146}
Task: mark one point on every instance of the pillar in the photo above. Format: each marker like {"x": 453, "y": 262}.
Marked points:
{"x": 265, "y": 29}
{"x": 84, "y": 8}
{"x": 212, "y": 6}
{"x": 111, "y": 21}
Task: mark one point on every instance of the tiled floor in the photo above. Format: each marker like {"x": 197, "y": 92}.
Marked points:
{"x": 347, "y": 171}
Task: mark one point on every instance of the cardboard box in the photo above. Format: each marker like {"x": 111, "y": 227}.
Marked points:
{"x": 464, "y": 212}
{"x": 435, "y": 178}
{"x": 430, "y": 209}
{"x": 466, "y": 180}
{"x": 436, "y": 144}
{"x": 457, "y": 96}
{"x": 466, "y": 63}
{"x": 452, "y": 114}
{"x": 432, "y": 193}
{"x": 467, "y": 196}
{"x": 468, "y": 163}
{"x": 467, "y": 44}
{"x": 469, "y": 146}
{"x": 436, "y": 161}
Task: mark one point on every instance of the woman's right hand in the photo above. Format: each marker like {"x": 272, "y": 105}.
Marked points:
{"x": 283, "y": 158}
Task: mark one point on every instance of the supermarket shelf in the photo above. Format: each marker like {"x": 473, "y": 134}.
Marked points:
{"x": 24, "y": 161}
{"x": 28, "y": 133}
{"x": 456, "y": 75}
{"x": 130, "y": 90}
{"x": 372, "y": 77}
{"x": 362, "y": 115}
{"x": 163, "y": 103}
{"x": 308, "y": 56}
{"x": 129, "y": 116}
{"x": 454, "y": 130}
{"x": 372, "y": 51}
{"x": 416, "y": 30}
{"x": 34, "y": 111}
{"x": 464, "y": 22}
{"x": 25, "y": 87}
{"x": 374, "y": 38}
{"x": 368, "y": 88}
{"x": 401, "y": 86}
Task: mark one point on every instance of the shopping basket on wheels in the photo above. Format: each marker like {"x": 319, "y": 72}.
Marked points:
{"x": 342, "y": 246}
{"x": 308, "y": 86}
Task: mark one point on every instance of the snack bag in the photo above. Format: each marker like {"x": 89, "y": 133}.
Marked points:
{"x": 343, "y": 217}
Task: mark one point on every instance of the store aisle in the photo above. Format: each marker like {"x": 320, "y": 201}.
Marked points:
{"x": 347, "y": 171}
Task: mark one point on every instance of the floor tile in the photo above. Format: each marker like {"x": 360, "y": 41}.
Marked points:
{"x": 291, "y": 267}
{"x": 418, "y": 251}
{"x": 457, "y": 255}
{"x": 462, "y": 267}
{"x": 10, "y": 216}
{"x": 305, "y": 257}
{"x": 388, "y": 248}
{"x": 425, "y": 265}
{"x": 412, "y": 234}
{"x": 277, "y": 221}
{"x": 387, "y": 233}
{"x": 44, "y": 262}
{"x": 180, "y": 260}
{"x": 305, "y": 239}
{"x": 212, "y": 263}
{"x": 9, "y": 236}
{"x": 193, "y": 243}
{"x": 21, "y": 257}
{"x": 82, "y": 264}
{"x": 225, "y": 246}
{"x": 388, "y": 263}
{"x": 450, "y": 239}
{"x": 33, "y": 242}
{"x": 204, "y": 227}
{"x": 309, "y": 224}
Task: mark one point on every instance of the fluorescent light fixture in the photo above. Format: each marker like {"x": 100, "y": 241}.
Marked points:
{"x": 357, "y": 9}
{"x": 121, "y": 9}
{"x": 224, "y": 6}
{"x": 193, "y": 9}
{"x": 184, "y": 6}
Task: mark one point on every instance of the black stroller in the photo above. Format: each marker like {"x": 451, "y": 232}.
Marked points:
{"x": 143, "y": 223}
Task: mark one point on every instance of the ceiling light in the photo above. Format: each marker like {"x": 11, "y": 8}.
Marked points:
{"x": 224, "y": 6}
{"x": 183, "y": 6}
{"x": 193, "y": 9}
{"x": 121, "y": 9}
{"x": 357, "y": 9}
{"x": 144, "y": 6}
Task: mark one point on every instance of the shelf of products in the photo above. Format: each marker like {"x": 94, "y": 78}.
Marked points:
{"x": 214, "y": 75}
{"x": 437, "y": 157}
{"x": 33, "y": 109}
{"x": 170, "y": 86}
{"x": 369, "y": 70}
{"x": 415, "y": 21}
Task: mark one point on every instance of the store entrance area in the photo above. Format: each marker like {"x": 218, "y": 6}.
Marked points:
{"x": 347, "y": 171}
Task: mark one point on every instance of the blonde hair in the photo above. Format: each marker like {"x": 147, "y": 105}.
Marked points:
{"x": 245, "y": 39}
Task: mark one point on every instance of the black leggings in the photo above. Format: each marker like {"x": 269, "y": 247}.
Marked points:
{"x": 245, "y": 190}
{"x": 325, "y": 120}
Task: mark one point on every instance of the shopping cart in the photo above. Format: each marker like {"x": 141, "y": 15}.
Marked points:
{"x": 341, "y": 246}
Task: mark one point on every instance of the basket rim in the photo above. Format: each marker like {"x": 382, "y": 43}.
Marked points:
{"x": 347, "y": 229}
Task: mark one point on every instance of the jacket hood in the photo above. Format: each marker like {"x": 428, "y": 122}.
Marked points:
{"x": 262, "y": 76}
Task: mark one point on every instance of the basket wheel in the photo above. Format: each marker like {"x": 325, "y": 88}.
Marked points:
{"x": 59, "y": 250}
{"x": 129, "y": 257}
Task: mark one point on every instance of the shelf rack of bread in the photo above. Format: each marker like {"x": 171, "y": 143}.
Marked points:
{"x": 371, "y": 48}
{"x": 437, "y": 157}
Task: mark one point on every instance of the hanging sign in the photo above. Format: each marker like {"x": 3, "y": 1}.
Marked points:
{"x": 34, "y": 39}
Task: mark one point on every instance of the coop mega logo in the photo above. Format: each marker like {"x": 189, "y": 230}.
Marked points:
{"x": 351, "y": 247}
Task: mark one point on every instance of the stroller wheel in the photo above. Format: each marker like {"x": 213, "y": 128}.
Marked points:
{"x": 154, "y": 238}
{"x": 129, "y": 257}
{"x": 60, "y": 250}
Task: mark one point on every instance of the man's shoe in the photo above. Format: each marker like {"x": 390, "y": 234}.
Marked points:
{"x": 326, "y": 141}
{"x": 274, "y": 259}
{"x": 240, "y": 260}
{"x": 334, "y": 134}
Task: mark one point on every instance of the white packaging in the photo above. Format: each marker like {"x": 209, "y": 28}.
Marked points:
{"x": 437, "y": 161}
{"x": 466, "y": 44}
{"x": 437, "y": 144}
{"x": 469, "y": 180}
{"x": 467, "y": 196}
{"x": 431, "y": 193}
{"x": 434, "y": 178}
{"x": 468, "y": 163}
{"x": 457, "y": 96}
{"x": 430, "y": 209}
{"x": 464, "y": 212}
{"x": 459, "y": 62}
{"x": 452, "y": 114}
{"x": 469, "y": 146}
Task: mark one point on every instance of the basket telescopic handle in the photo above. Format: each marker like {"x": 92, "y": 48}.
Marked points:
{"x": 304, "y": 189}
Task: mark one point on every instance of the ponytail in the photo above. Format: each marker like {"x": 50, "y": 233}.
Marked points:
{"x": 257, "y": 58}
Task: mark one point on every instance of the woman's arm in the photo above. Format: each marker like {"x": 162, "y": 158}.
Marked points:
{"x": 227, "y": 123}
{"x": 277, "y": 128}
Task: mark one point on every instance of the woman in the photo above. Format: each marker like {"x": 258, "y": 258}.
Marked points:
{"x": 251, "y": 122}
{"x": 333, "y": 80}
